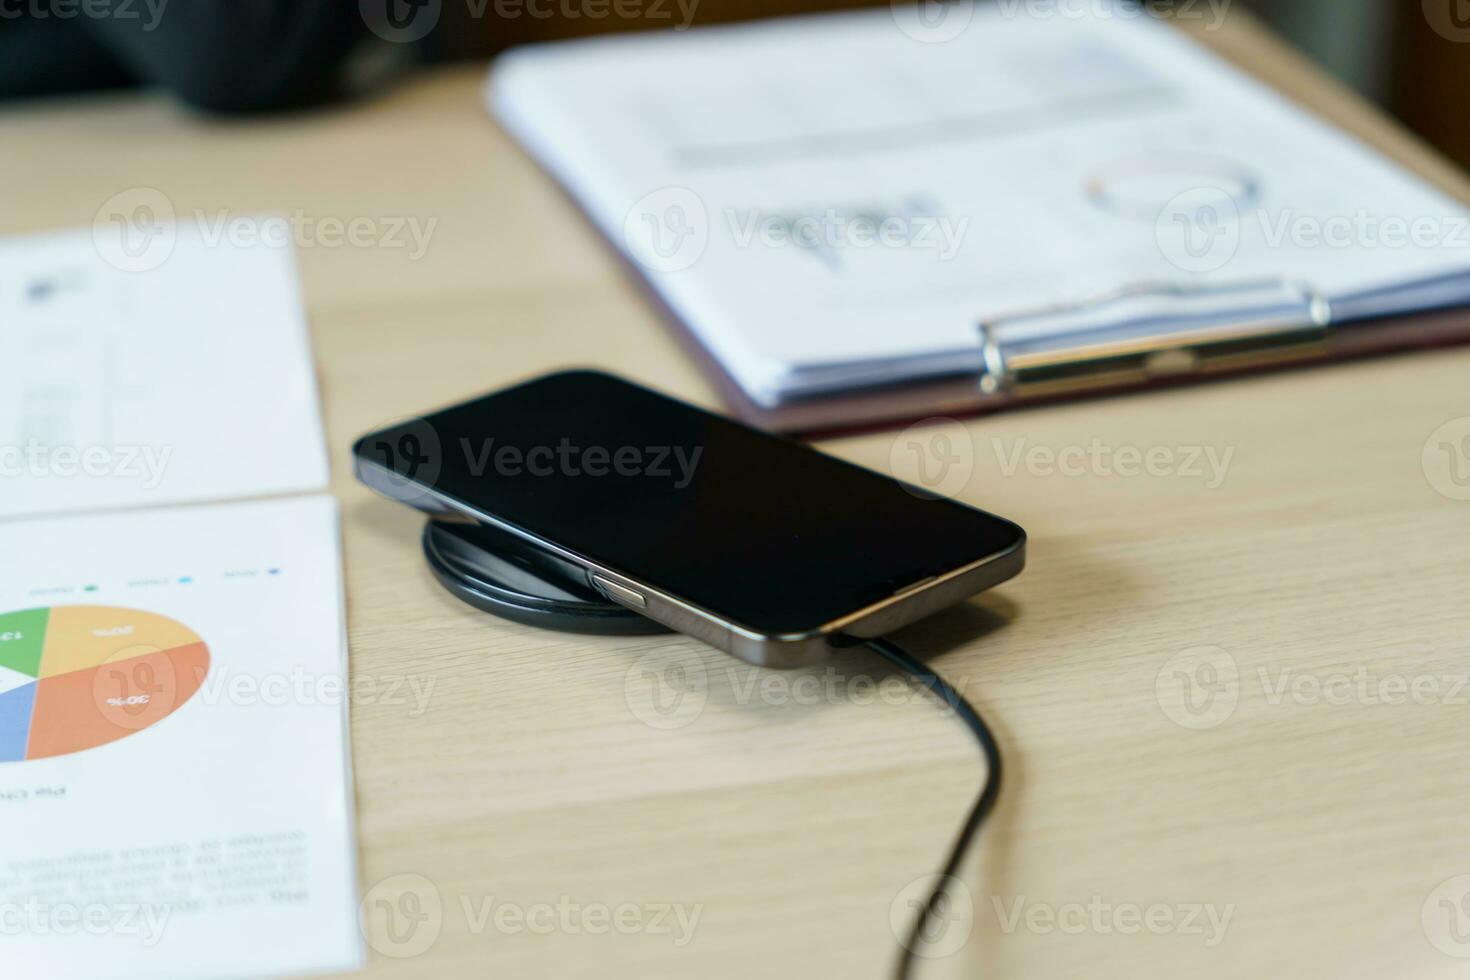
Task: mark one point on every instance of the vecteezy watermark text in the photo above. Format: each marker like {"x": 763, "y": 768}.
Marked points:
{"x": 309, "y": 231}
{"x": 301, "y": 687}
{"x": 404, "y": 915}
{"x": 952, "y": 920}
{"x": 1199, "y": 688}
{"x": 1101, "y": 917}
{"x": 149, "y": 12}
{"x": 827, "y": 232}
{"x": 1208, "y": 464}
{"x": 567, "y": 458}
{"x": 35, "y": 917}
{"x": 668, "y": 690}
{"x": 670, "y": 228}
{"x": 937, "y": 21}
{"x": 937, "y": 457}
{"x": 137, "y": 229}
{"x": 145, "y": 465}
{"x": 409, "y": 21}
{"x": 1202, "y": 229}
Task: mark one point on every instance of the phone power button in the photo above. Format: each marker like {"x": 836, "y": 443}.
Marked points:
{"x": 621, "y": 593}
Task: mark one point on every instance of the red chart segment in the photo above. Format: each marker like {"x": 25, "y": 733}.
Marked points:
{"x": 92, "y": 707}
{"x": 128, "y": 670}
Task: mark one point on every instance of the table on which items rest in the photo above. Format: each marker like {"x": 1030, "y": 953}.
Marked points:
{"x": 1300, "y": 817}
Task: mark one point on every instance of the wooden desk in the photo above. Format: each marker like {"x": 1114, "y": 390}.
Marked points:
{"x": 529, "y": 778}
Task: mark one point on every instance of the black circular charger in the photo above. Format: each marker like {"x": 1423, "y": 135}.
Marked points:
{"x": 506, "y": 576}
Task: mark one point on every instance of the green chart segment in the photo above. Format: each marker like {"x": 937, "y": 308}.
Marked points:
{"x": 76, "y": 677}
{"x": 22, "y": 641}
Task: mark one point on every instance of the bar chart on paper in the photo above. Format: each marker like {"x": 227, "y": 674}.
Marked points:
{"x": 76, "y": 677}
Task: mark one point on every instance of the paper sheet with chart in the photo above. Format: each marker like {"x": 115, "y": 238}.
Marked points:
{"x": 189, "y": 379}
{"x": 838, "y": 200}
{"x": 174, "y": 778}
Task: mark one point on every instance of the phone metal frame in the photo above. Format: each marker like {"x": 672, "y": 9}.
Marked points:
{"x": 782, "y": 650}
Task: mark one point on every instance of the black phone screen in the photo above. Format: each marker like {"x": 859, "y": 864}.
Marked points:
{"x": 766, "y": 533}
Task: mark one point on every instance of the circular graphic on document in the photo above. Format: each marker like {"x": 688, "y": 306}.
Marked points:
{"x": 76, "y": 677}
{"x": 1142, "y": 187}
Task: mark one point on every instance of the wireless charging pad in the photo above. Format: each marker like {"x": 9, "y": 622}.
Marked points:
{"x": 506, "y": 576}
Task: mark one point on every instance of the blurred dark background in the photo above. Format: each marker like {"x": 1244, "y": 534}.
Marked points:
{"x": 1412, "y": 57}
{"x": 1403, "y": 55}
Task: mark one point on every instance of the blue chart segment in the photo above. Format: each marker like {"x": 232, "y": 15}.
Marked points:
{"x": 15, "y": 722}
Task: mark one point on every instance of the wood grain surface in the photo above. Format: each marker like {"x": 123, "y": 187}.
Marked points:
{"x": 1213, "y": 771}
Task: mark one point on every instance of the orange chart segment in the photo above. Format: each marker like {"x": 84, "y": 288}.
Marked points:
{"x": 82, "y": 709}
{"x": 83, "y": 637}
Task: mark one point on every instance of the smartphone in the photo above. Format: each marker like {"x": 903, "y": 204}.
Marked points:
{"x": 757, "y": 544}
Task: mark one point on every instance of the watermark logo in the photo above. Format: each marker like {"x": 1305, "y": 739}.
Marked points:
{"x": 933, "y": 458}
{"x": 1198, "y": 688}
{"x": 409, "y": 458}
{"x": 136, "y": 687}
{"x": 137, "y": 230}
{"x": 667, "y": 689}
{"x": 1446, "y": 459}
{"x": 408, "y": 21}
{"x": 667, "y": 230}
{"x": 413, "y": 692}
{"x": 945, "y": 931}
{"x": 1445, "y": 916}
{"x": 402, "y": 916}
{"x": 933, "y": 21}
{"x": 401, "y": 21}
{"x": 1198, "y": 230}
{"x": 1450, "y": 19}
{"x": 936, "y": 458}
{"x": 1201, "y": 687}
{"x": 134, "y": 230}
{"x": 669, "y": 694}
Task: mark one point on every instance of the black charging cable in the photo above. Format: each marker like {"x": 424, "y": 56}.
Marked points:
{"x": 943, "y": 690}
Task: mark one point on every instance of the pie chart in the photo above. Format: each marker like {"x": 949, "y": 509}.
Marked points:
{"x": 76, "y": 677}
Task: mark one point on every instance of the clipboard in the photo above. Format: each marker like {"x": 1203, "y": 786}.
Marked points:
{"x": 1010, "y": 364}
{"x": 1298, "y": 331}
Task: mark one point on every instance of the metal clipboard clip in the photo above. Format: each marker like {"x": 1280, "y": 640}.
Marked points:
{"x": 1152, "y": 330}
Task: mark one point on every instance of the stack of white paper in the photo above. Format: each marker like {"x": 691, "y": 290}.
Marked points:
{"x": 174, "y": 775}
{"x": 175, "y": 781}
{"x": 184, "y": 382}
{"x": 836, "y": 201}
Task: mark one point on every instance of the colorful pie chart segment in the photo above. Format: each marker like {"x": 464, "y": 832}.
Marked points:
{"x": 76, "y": 677}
